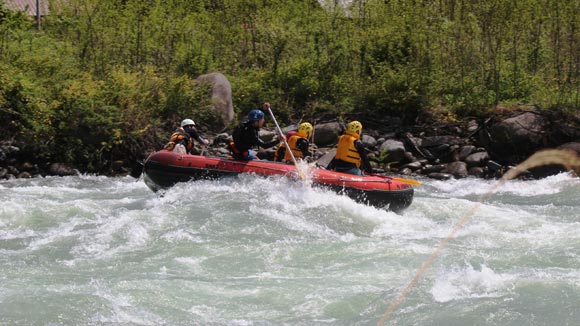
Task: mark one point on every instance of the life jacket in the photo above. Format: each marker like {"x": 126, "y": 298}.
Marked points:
{"x": 236, "y": 152}
{"x": 295, "y": 150}
{"x": 346, "y": 151}
{"x": 177, "y": 137}
{"x": 279, "y": 150}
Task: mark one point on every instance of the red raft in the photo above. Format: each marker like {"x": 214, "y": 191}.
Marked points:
{"x": 164, "y": 169}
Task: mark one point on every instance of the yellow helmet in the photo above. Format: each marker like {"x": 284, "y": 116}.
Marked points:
{"x": 306, "y": 128}
{"x": 354, "y": 126}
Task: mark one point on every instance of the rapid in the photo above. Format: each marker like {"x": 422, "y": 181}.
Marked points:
{"x": 93, "y": 250}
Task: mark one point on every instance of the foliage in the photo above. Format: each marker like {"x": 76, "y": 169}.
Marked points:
{"x": 111, "y": 79}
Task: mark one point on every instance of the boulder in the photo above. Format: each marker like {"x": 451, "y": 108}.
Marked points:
{"x": 394, "y": 149}
{"x": 518, "y": 137}
{"x": 552, "y": 169}
{"x": 477, "y": 159}
{"x": 457, "y": 169}
{"x": 221, "y": 96}
{"x": 326, "y": 134}
{"x": 61, "y": 169}
{"x": 368, "y": 141}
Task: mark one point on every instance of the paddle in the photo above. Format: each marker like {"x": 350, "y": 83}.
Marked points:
{"x": 409, "y": 181}
{"x": 287, "y": 146}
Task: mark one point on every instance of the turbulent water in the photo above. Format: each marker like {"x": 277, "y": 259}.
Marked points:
{"x": 93, "y": 250}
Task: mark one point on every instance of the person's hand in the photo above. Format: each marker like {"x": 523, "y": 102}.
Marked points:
{"x": 266, "y": 105}
{"x": 206, "y": 142}
{"x": 283, "y": 137}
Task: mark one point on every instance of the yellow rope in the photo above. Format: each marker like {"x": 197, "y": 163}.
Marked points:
{"x": 566, "y": 158}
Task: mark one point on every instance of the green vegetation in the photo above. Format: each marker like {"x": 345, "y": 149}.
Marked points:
{"x": 109, "y": 79}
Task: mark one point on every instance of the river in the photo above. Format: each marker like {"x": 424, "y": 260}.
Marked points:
{"x": 92, "y": 250}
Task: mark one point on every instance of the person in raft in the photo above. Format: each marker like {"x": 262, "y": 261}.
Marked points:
{"x": 246, "y": 136}
{"x": 299, "y": 143}
{"x": 350, "y": 152}
{"x": 281, "y": 149}
{"x": 181, "y": 141}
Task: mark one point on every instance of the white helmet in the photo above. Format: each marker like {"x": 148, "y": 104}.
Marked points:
{"x": 187, "y": 122}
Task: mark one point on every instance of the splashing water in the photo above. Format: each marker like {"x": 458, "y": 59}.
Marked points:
{"x": 269, "y": 251}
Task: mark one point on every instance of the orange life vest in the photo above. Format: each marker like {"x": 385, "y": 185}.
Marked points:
{"x": 295, "y": 150}
{"x": 277, "y": 157}
{"x": 178, "y": 136}
{"x": 346, "y": 151}
{"x": 236, "y": 151}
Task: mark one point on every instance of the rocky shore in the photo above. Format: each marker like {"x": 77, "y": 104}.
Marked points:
{"x": 439, "y": 150}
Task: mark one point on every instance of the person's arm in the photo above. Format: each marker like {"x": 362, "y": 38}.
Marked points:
{"x": 365, "y": 164}
{"x": 263, "y": 144}
{"x": 193, "y": 133}
{"x": 302, "y": 145}
{"x": 281, "y": 154}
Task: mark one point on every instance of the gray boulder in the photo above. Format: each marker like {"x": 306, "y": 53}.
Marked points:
{"x": 517, "y": 137}
{"x": 221, "y": 96}
{"x": 326, "y": 134}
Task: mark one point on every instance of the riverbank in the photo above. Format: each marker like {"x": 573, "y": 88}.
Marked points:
{"x": 483, "y": 148}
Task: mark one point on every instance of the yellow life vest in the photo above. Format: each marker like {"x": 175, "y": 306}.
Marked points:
{"x": 295, "y": 150}
{"x": 346, "y": 151}
{"x": 177, "y": 137}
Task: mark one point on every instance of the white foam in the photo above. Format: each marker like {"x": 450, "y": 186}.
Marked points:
{"x": 467, "y": 282}
{"x": 472, "y": 186}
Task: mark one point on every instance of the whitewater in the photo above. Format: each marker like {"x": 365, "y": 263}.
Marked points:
{"x": 94, "y": 250}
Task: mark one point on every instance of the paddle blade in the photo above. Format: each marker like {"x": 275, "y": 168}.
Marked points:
{"x": 409, "y": 181}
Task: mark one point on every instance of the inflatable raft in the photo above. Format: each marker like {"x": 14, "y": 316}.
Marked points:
{"x": 164, "y": 169}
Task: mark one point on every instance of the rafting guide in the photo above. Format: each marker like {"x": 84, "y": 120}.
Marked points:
{"x": 246, "y": 135}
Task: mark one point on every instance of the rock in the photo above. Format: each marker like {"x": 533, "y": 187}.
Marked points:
{"x": 477, "y": 159}
{"x": 572, "y": 146}
{"x": 326, "y": 134}
{"x": 406, "y": 171}
{"x": 61, "y": 169}
{"x": 435, "y": 141}
{"x": 221, "y": 96}
{"x": 518, "y": 137}
{"x": 413, "y": 166}
{"x": 222, "y": 139}
{"x": 9, "y": 149}
{"x": 494, "y": 166}
{"x": 394, "y": 149}
{"x": 457, "y": 169}
{"x": 28, "y": 167}
{"x": 476, "y": 171}
{"x": 472, "y": 126}
{"x": 465, "y": 151}
{"x": 12, "y": 170}
{"x": 368, "y": 141}
{"x": 267, "y": 135}
{"x": 408, "y": 157}
{"x": 440, "y": 176}
{"x": 553, "y": 169}
{"x": 24, "y": 175}
{"x": 433, "y": 168}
